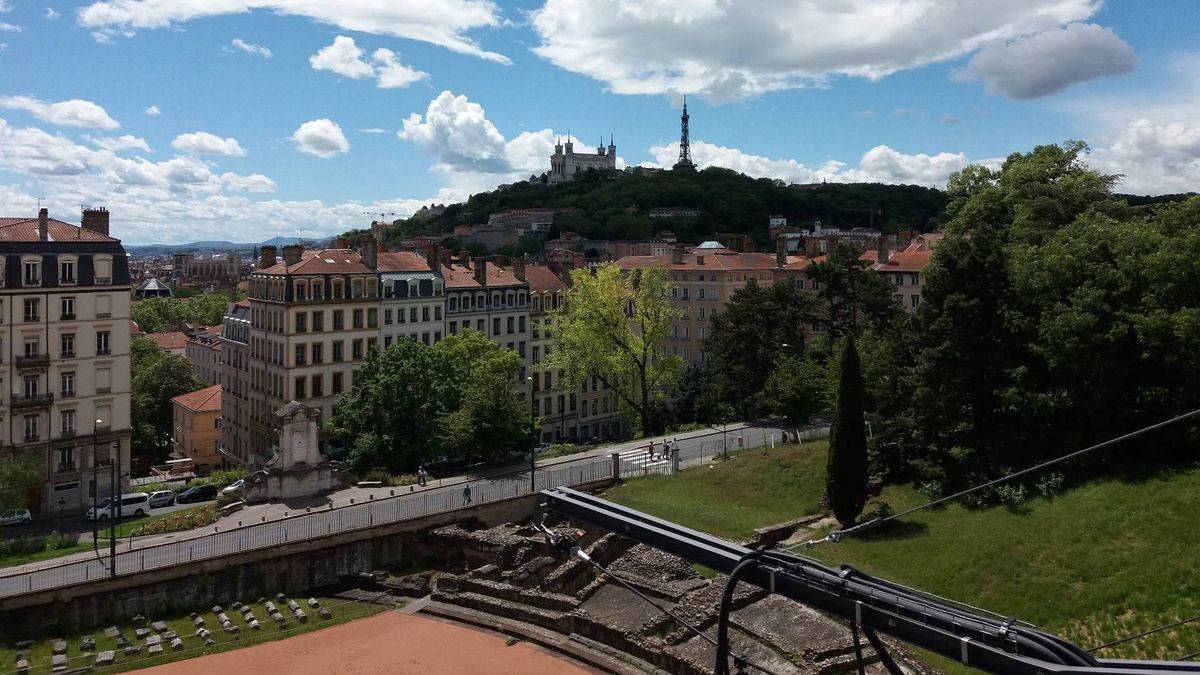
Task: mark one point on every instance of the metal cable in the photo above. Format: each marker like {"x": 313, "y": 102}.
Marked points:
{"x": 1143, "y": 634}
{"x": 837, "y": 535}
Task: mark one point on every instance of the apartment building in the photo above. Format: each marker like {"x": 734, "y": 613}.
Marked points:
{"x": 906, "y": 270}
{"x": 313, "y": 317}
{"x": 414, "y": 297}
{"x": 196, "y": 429}
{"x": 704, "y": 279}
{"x": 233, "y": 374}
{"x": 64, "y": 349}
{"x": 491, "y": 299}
{"x": 203, "y": 351}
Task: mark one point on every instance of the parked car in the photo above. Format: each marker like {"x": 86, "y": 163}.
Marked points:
{"x": 16, "y": 517}
{"x": 197, "y": 493}
{"x": 541, "y": 447}
{"x": 161, "y": 498}
{"x": 235, "y": 488}
{"x": 132, "y": 504}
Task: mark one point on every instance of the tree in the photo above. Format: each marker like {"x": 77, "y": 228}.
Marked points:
{"x": 759, "y": 326}
{"x": 851, "y": 294}
{"x": 612, "y": 326}
{"x": 19, "y": 475}
{"x": 491, "y": 420}
{"x": 392, "y": 417}
{"x": 796, "y": 389}
{"x": 846, "y": 471}
{"x": 157, "y": 377}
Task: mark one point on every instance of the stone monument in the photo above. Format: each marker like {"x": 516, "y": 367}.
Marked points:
{"x": 297, "y": 469}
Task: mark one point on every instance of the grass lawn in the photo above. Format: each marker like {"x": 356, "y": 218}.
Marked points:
{"x": 1103, "y": 560}
{"x": 40, "y": 653}
{"x": 128, "y": 526}
{"x": 22, "y": 558}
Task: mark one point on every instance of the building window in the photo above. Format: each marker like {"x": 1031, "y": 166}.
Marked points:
{"x": 66, "y": 422}
{"x": 301, "y": 351}
{"x": 357, "y": 350}
{"x": 372, "y": 318}
{"x": 66, "y": 460}
{"x": 317, "y": 386}
{"x": 317, "y": 356}
{"x": 453, "y": 327}
{"x": 496, "y": 326}
{"x": 339, "y": 319}
{"x": 338, "y": 349}
{"x": 337, "y": 384}
{"x": 31, "y": 427}
{"x": 915, "y": 300}
{"x": 67, "y": 385}
{"x": 66, "y": 272}
{"x": 68, "y": 308}
{"x": 300, "y": 388}
{"x": 31, "y": 309}
{"x": 302, "y": 322}
{"x": 318, "y": 322}
{"x": 521, "y": 349}
{"x": 33, "y": 273}
{"x": 32, "y": 348}
{"x": 387, "y": 317}
{"x": 358, "y": 318}
{"x": 412, "y": 314}
{"x": 521, "y": 324}
{"x": 102, "y": 343}
{"x": 66, "y": 343}
{"x": 437, "y": 313}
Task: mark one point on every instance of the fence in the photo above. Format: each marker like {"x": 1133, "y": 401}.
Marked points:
{"x": 313, "y": 524}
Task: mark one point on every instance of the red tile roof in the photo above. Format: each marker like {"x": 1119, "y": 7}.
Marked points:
{"x": 908, "y": 260}
{"x": 463, "y": 276}
{"x": 26, "y": 229}
{"x": 714, "y": 259}
{"x": 169, "y": 340}
{"x": 207, "y": 399}
{"x": 542, "y": 279}
{"x": 324, "y": 261}
{"x": 403, "y": 261}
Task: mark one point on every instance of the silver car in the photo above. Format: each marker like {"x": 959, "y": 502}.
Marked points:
{"x": 161, "y": 498}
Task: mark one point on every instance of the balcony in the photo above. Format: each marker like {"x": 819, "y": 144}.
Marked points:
{"x": 103, "y": 428}
{"x": 66, "y": 467}
{"x": 32, "y": 401}
{"x": 103, "y": 281}
{"x": 67, "y": 316}
{"x": 67, "y": 433}
{"x": 33, "y": 361}
{"x": 103, "y": 390}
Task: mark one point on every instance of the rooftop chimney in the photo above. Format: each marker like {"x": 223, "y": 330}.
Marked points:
{"x": 433, "y": 257}
{"x": 266, "y": 257}
{"x": 447, "y": 257}
{"x": 464, "y": 258}
{"x": 341, "y": 242}
{"x": 519, "y": 269}
{"x": 481, "y": 271}
{"x": 44, "y": 224}
{"x": 781, "y": 252}
{"x": 677, "y": 255}
{"x": 369, "y": 250}
{"x": 292, "y": 254}
{"x": 812, "y": 247}
{"x": 883, "y": 252}
{"x": 95, "y": 220}
{"x": 383, "y": 247}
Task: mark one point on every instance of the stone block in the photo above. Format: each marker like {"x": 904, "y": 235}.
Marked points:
{"x": 154, "y": 649}
{"x": 87, "y": 644}
{"x": 222, "y": 617}
{"x": 203, "y": 633}
{"x": 133, "y": 649}
{"x": 153, "y": 639}
{"x": 254, "y": 625}
{"x": 169, "y": 635}
{"x": 106, "y": 658}
{"x": 159, "y": 626}
{"x": 325, "y": 613}
{"x": 270, "y": 607}
{"x": 292, "y": 605}
{"x": 24, "y": 644}
{"x": 277, "y": 617}
{"x": 139, "y": 620}
{"x": 176, "y": 645}
{"x": 59, "y": 662}
{"x": 248, "y": 617}
{"x": 122, "y": 642}
{"x": 230, "y": 628}
{"x": 23, "y": 666}
{"x": 208, "y": 642}
{"x": 198, "y": 621}
{"x": 58, "y": 647}
{"x": 300, "y": 615}
{"x": 312, "y": 602}
{"x": 112, "y": 632}
{"x": 22, "y": 654}
{"x": 280, "y": 597}
{"x": 216, "y": 609}
{"x": 141, "y": 633}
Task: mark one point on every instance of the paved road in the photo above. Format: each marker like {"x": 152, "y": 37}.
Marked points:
{"x": 235, "y": 532}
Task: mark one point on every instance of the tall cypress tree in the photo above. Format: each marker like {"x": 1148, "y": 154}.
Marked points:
{"x": 846, "y": 472}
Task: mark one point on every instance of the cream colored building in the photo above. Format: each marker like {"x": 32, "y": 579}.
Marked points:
{"x": 64, "y": 345}
{"x": 414, "y": 297}
{"x": 565, "y": 164}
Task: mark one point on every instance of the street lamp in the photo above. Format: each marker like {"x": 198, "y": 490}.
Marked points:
{"x": 61, "y": 503}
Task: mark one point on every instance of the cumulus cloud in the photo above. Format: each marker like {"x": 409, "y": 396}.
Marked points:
{"x": 152, "y": 111}
{"x": 372, "y": 130}
{"x": 73, "y": 113}
{"x": 1155, "y": 157}
{"x": 880, "y": 164}
{"x": 120, "y": 143}
{"x": 323, "y": 138}
{"x": 239, "y": 44}
{"x": 345, "y": 58}
{"x": 733, "y": 50}
{"x": 1048, "y": 62}
{"x": 204, "y": 143}
{"x": 10, "y": 28}
{"x": 51, "y": 14}
{"x": 446, "y": 23}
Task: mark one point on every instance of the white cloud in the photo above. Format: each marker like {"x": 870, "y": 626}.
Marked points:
{"x": 153, "y": 111}
{"x": 880, "y": 164}
{"x": 33, "y": 151}
{"x": 345, "y": 58}
{"x": 51, "y": 14}
{"x": 72, "y": 113}
{"x": 1154, "y": 157}
{"x": 323, "y": 138}
{"x": 118, "y": 144}
{"x": 239, "y": 44}
{"x": 372, "y": 130}
{"x": 446, "y": 23}
{"x": 10, "y": 28}
{"x": 1050, "y": 61}
{"x": 204, "y": 143}
{"x": 733, "y": 50}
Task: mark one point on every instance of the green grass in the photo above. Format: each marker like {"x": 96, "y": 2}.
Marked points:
{"x": 129, "y": 526}
{"x": 22, "y": 558}
{"x": 1103, "y": 560}
{"x": 40, "y": 655}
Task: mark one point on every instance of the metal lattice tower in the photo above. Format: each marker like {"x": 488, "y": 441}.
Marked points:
{"x": 685, "y": 148}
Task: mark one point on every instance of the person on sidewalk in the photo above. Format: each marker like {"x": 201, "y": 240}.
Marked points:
{"x": 466, "y": 495}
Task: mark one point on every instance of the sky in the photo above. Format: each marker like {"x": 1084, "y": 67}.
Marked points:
{"x": 246, "y": 119}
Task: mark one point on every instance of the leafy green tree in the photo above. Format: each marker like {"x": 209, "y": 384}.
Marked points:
{"x": 758, "y": 327}
{"x": 851, "y": 295}
{"x": 19, "y": 475}
{"x": 392, "y": 417}
{"x": 846, "y": 471}
{"x": 157, "y": 377}
{"x": 796, "y": 389}
{"x": 612, "y": 326}
{"x": 695, "y": 398}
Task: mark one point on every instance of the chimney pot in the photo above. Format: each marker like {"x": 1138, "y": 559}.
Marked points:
{"x": 481, "y": 271}
{"x": 369, "y": 250}
{"x": 677, "y": 255}
{"x": 883, "y": 252}
{"x": 781, "y": 252}
{"x": 292, "y": 254}
{"x": 342, "y": 242}
{"x": 519, "y": 269}
{"x": 433, "y": 257}
{"x": 43, "y": 224}
{"x": 95, "y": 220}
{"x": 266, "y": 257}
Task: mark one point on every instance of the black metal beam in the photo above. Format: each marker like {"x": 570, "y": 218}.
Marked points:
{"x": 984, "y": 642}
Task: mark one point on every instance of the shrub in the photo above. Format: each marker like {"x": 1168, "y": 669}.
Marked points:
{"x": 35, "y": 544}
{"x": 932, "y": 490}
{"x": 221, "y": 478}
{"x": 1012, "y": 495}
{"x": 1050, "y": 484}
{"x": 58, "y": 540}
{"x": 179, "y": 521}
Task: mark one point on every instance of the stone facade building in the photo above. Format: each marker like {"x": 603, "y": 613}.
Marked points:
{"x": 196, "y": 429}
{"x": 64, "y": 345}
{"x": 233, "y": 374}
{"x": 565, "y": 163}
{"x": 223, "y": 268}
{"x": 414, "y": 297}
{"x": 492, "y": 300}
{"x": 203, "y": 351}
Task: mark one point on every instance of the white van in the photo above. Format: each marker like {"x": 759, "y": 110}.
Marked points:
{"x": 132, "y": 504}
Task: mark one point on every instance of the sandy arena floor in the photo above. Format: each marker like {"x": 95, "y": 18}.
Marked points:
{"x": 385, "y": 643}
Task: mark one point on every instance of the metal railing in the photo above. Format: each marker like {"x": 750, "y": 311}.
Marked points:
{"x": 318, "y": 522}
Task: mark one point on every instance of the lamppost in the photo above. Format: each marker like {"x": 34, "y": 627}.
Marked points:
{"x": 61, "y": 503}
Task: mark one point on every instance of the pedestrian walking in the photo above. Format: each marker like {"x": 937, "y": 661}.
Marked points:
{"x": 421, "y": 476}
{"x": 651, "y": 451}
{"x": 466, "y": 495}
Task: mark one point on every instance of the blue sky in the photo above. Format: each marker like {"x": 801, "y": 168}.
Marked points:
{"x": 301, "y": 125}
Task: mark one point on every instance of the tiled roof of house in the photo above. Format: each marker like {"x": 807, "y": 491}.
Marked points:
{"x": 463, "y": 276}
{"x": 542, "y": 279}
{"x": 26, "y": 229}
{"x": 908, "y": 260}
{"x": 324, "y": 261}
{"x": 716, "y": 260}
{"x": 207, "y": 399}
{"x": 403, "y": 261}
{"x": 169, "y": 340}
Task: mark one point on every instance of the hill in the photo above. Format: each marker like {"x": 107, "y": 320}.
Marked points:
{"x": 617, "y": 205}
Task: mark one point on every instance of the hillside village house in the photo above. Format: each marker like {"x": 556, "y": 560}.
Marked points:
{"x": 64, "y": 345}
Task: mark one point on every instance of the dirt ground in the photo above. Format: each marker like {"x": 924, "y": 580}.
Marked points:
{"x": 385, "y": 643}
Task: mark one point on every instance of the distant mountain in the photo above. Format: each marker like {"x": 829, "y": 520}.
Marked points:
{"x": 220, "y": 245}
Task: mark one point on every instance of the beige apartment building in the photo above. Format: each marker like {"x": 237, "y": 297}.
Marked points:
{"x": 491, "y": 299}
{"x": 314, "y": 315}
{"x": 196, "y": 429}
{"x": 233, "y": 374}
{"x": 64, "y": 349}
{"x": 414, "y": 297}
{"x": 705, "y": 279}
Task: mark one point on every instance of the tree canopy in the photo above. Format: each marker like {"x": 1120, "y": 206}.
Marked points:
{"x": 154, "y": 315}
{"x": 157, "y": 377}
